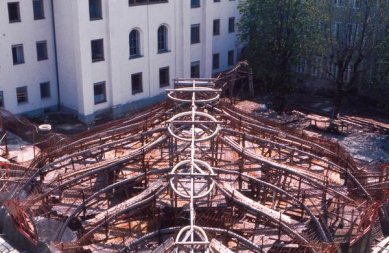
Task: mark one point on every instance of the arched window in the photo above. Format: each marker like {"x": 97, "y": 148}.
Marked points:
{"x": 134, "y": 40}
{"x": 162, "y": 39}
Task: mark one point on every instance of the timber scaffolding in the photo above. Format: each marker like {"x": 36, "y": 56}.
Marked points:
{"x": 195, "y": 174}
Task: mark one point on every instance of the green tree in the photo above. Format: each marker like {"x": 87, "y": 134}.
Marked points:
{"x": 378, "y": 85}
{"x": 353, "y": 31}
{"x": 277, "y": 34}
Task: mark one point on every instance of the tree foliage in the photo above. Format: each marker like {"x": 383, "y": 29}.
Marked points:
{"x": 278, "y": 33}
{"x": 342, "y": 37}
{"x": 352, "y": 31}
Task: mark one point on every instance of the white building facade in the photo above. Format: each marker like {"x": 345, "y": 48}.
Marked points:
{"x": 112, "y": 55}
{"x": 28, "y": 79}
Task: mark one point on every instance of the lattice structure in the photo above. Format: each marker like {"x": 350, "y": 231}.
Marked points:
{"x": 192, "y": 178}
{"x": 196, "y": 174}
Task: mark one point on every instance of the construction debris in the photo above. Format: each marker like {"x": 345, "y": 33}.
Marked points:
{"x": 196, "y": 174}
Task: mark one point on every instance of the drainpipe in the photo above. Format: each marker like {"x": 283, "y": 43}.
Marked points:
{"x": 56, "y": 56}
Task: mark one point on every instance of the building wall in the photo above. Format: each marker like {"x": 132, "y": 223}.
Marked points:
{"x": 77, "y": 73}
{"x": 226, "y": 41}
{"x": 68, "y": 47}
{"x": 32, "y": 72}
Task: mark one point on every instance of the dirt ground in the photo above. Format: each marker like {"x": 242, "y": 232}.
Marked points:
{"x": 370, "y": 147}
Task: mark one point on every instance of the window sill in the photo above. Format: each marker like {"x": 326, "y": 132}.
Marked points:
{"x": 161, "y": 86}
{"x": 137, "y": 92}
{"x": 43, "y": 59}
{"x": 15, "y": 21}
{"x": 23, "y": 103}
{"x": 18, "y": 63}
{"x": 163, "y": 51}
{"x": 95, "y": 19}
{"x": 148, "y": 3}
{"x": 132, "y": 57}
{"x": 97, "y": 60}
{"x": 40, "y": 18}
{"x": 194, "y": 43}
{"x": 100, "y": 102}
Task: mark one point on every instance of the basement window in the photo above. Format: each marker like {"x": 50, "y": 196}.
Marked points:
{"x": 99, "y": 93}
{"x": 136, "y": 83}
{"x": 164, "y": 77}
{"x": 215, "y": 61}
{"x": 1, "y": 98}
{"x": 14, "y": 12}
{"x": 141, "y": 2}
{"x": 195, "y": 69}
{"x": 230, "y": 57}
{"x": 21, "y": 95}
{"x": 45, "y": 89}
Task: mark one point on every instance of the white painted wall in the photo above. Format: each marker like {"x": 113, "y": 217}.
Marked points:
{"x": 32, "y": 72}
{"x": 74, "y": 32}
{"x": 224, "y": 42}
{"x": 67, "y": 49}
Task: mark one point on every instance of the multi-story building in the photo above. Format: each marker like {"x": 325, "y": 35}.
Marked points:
{"x": 28, "y": 77}
{"x": 104, "y": 55}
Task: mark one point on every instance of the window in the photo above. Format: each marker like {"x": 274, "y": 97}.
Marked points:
{"x": 95, "y": 10}
{"x": 139, "y": 2}
{"x": 99, "y": 93}
{"x": 231, "y": 25}
{"x": 230, "y": 57}
{"x": 357, "y": 3}
{"x": 164, "y": 79}
{"x": 302, "y": 66}
{"x": 352, "y": 32}
{"x": 336, "y": 31}
{"x": 17, "y": 54}
{"x": 1, "y": 99}
{"x": 136, "y": 83}
{"x": 134, "y": 41}
{"x": 41, "y": 50}
{"x": 215, "y": 61}
{"x": 216, "y": 1}
{"x": 21, "y": 94}
{"x": 216, "y": 27}
{"x": 45, "y": 89}
{"x": 97, "y": 50}
{"x": 38, "y": 8}
{"x": 338, "y": 2}
{"x": 14, "y": 12}
{"x": 195, "y": 34}
{"x": 316, "y": 67}
{"x": 195, "y": 69}
{"x": 162, "y": 39}
{"x": 194, "y": 3}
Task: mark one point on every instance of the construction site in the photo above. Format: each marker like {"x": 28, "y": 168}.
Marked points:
{"x": 195, "y": 173}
